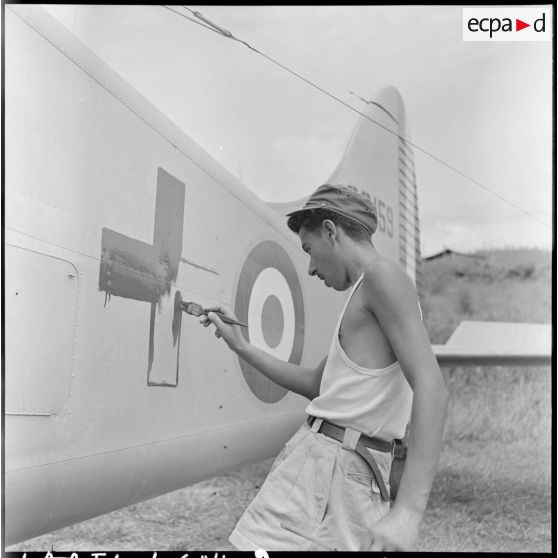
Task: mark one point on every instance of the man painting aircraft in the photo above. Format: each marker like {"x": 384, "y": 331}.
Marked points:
{"x": 328, "y": 488}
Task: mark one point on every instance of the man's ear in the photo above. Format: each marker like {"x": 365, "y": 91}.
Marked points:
{"x": 329, "y": 229}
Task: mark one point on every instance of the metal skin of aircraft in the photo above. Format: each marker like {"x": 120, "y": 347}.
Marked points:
{"x": 114, "y": 216}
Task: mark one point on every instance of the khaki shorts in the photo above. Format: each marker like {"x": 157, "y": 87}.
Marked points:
{"x": 318, "y": 495}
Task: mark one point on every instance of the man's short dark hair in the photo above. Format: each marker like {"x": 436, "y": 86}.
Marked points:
{"x": 312, "y": 219}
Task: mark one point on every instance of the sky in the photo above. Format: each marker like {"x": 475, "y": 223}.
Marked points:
{"x": 484, "y": 108}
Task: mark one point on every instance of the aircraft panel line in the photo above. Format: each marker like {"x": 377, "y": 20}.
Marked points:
{"x": 407, "y": 247}
{"x": 411, "y": 198}
{"x": 413, "y": 229}
{"x": 405, "y": 178}
{"x": 404, "y": 163}
{"x": 407, "y": 182}
{"x": 405, "y": 149}
{"x": 181, "y": 287}
{"x": 407, "y": 187}
{"x": 408, "y": 159}
{"x": 101, "y": 451}
{"x": 410, "y": 232}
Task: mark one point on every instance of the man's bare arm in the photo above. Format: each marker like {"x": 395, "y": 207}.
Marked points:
{"x": 303, "y": 380}
{"x": 391, "y": 296}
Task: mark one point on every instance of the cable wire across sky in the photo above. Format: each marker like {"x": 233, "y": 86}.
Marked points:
{"x": 209, "y": 25}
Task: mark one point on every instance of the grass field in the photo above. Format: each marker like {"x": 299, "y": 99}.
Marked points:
{"x": 492, "y": 492}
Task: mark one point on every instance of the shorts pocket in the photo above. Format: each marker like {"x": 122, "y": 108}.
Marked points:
{"x": 369, "y": 481}
{"x": 358, "y": 470}
{"x": 289, "y": 446}
{"x": 310, "y": 493}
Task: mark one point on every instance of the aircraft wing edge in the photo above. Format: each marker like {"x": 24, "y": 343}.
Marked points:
{"x": 476, "y": 343}
{"x": 466, "y": 356}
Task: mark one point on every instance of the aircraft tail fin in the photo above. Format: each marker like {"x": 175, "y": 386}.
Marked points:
{"x": 379, "y": 162}
{"x": 374, "y": 142}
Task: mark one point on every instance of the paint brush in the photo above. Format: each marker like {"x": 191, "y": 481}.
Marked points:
{"x": 196, "y": 309}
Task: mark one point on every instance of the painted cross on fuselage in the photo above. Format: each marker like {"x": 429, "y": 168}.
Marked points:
{"x": 134, "y": 269}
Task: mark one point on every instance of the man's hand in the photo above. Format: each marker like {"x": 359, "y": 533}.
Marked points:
{"x": 398, "y": 530}
{"x": 230, "y": 333}
{"x": 303, "y": 380}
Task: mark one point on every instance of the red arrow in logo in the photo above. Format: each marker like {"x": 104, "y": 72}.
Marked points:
{"x": 519, "y": 25}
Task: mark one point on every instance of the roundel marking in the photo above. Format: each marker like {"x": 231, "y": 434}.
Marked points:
{"x": 269, "y": 299}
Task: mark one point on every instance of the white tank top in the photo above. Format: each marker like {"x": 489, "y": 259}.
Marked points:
{"x": 376, "y": 402}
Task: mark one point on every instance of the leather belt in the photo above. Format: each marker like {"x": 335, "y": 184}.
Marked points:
{"x": 364, "y": 442}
